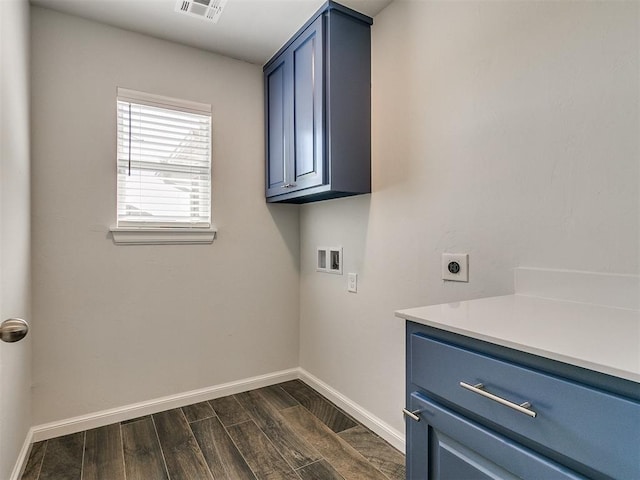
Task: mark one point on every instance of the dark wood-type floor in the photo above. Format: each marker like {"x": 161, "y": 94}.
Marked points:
{"x": 285, "y": 431}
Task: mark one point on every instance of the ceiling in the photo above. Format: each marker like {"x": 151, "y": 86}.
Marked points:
{"x": 250, "y": 30}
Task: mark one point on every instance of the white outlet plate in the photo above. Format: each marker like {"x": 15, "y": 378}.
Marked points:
{"x": 459, "y": 273}
{"x": 329, "y": 260}
{"x": 352, "y": 282}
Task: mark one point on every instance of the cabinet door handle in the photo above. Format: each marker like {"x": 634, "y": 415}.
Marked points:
{"x": 412, "y": 415}
{"x": 479, "y": 389}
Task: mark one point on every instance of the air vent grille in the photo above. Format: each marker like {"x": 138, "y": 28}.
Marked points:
{"x": 205, "y": 9}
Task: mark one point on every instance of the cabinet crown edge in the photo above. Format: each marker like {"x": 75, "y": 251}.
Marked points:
{"x": 328, "y": 6}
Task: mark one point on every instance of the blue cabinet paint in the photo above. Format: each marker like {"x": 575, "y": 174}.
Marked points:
{"x": 276, "y": 85}
{"x": 318, "y": 112}
{"x": 587, "y": 425}
{"x": 295, "y": 115}
{"x": 446, "y": 445}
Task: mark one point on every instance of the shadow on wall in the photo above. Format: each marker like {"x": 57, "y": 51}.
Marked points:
{"x": 286, "y": 219}
{"x": 340, "y": 222}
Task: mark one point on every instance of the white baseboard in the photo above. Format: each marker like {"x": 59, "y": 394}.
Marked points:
{"x": 21, "y": 462}
{"x": 369, "y": 420}
{"x": 128, "y": 412}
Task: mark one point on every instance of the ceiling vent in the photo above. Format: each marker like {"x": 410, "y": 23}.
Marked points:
{"x": 205, "y": 9}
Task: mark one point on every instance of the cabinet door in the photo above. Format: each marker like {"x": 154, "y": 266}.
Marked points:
{"x": 278, "y": 124}
{"x": 308, "y": 108}
{"x": 446, "y": 446}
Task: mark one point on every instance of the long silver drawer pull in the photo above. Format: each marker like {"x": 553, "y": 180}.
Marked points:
{"x": 413, "y": 415}
{"x": 479, "y": 389}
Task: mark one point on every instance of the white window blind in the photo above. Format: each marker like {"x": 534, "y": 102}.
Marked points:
{"x": 164, "y": 161}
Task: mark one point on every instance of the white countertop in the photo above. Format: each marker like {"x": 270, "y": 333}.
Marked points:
{"x": 599, "y": 338}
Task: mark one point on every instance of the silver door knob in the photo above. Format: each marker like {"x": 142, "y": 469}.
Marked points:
{"x": 13, "y": 330}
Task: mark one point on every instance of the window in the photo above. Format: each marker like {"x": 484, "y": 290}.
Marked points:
{"x": 163, "y": 165}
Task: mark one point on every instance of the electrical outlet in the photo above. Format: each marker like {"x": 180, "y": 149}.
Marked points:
{"x": 352, "y": 282}
{"x": 455, "y": 267}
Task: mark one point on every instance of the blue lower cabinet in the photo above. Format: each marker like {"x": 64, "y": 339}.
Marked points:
{"x": 447, "y": 446}
{"x": 485, "y": 411}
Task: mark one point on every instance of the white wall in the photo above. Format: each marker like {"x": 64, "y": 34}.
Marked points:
{"x": 15, "y": 358}
{"x": 508, "y": 130}
{"x": 121, "y": 324}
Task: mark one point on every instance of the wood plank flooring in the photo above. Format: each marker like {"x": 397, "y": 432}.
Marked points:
{"x": 281, "y": 432}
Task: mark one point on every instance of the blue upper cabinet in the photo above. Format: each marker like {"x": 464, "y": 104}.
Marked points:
{"x": 318, "y": 110}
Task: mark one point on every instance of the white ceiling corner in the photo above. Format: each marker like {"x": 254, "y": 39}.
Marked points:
{"x": 249, "y": 30}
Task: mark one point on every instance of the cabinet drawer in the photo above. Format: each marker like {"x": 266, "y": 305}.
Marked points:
{"x": 598, "y": 430}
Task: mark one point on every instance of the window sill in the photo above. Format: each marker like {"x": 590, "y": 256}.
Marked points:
{"x": 162, "y": 236}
